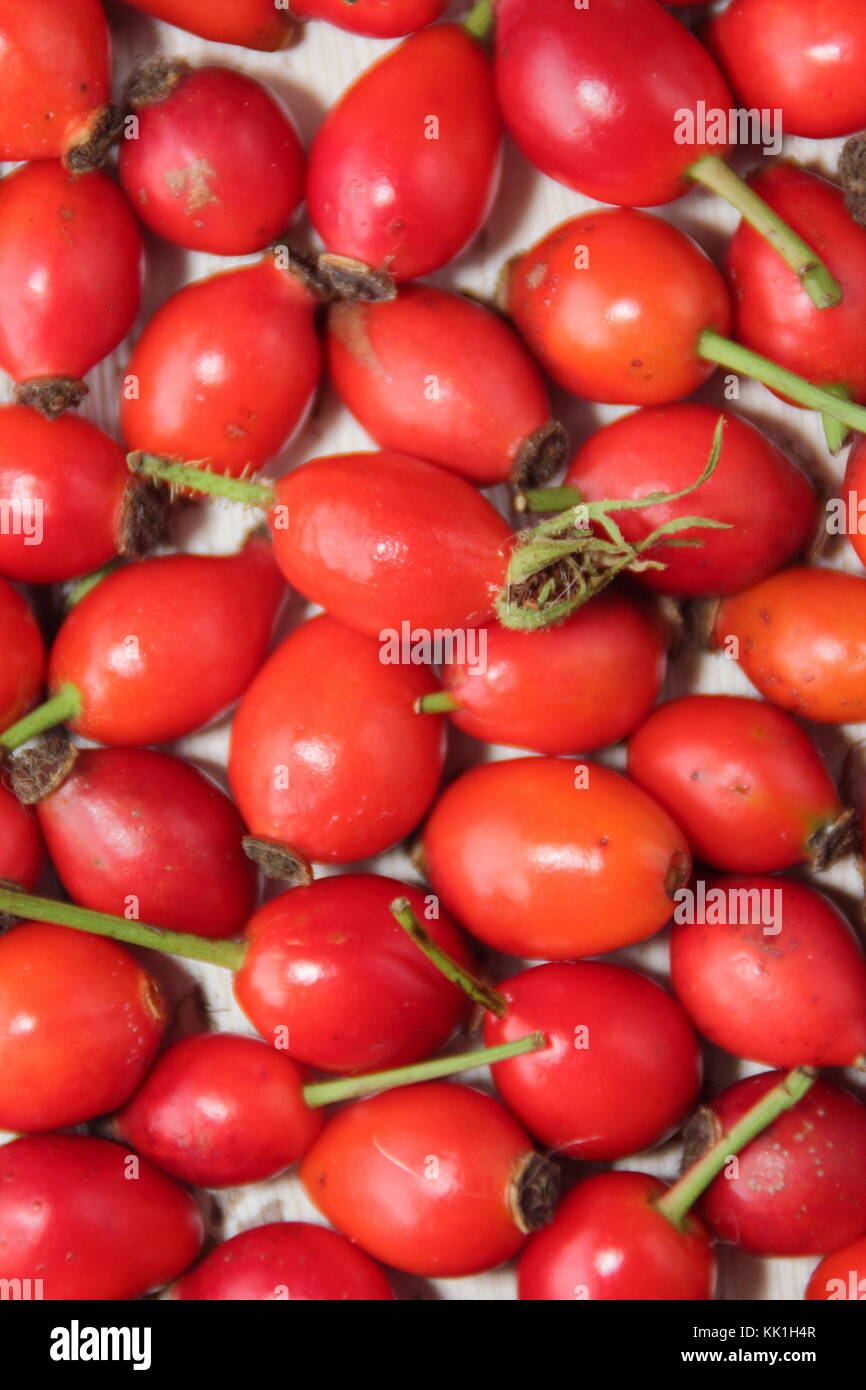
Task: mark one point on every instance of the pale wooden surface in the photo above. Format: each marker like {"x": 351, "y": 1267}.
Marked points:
{"x": 308, "y": 78}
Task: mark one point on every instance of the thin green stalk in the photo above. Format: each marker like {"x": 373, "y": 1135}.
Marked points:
{"x": 439, "y": 702}
{"x": 681, "y": 1197}
{"x": 479, "y": 21}
{"x": 726, "y": 353}
{"x": 547, "y": 499}
{"x": 186, "y": 475}
{"x": 482, "y": 994}
{"x": 822, "y": 288}
{"x": 63, "y": 706}
{"x": 345, "y": 1088}
{"x": 226, "y": 953}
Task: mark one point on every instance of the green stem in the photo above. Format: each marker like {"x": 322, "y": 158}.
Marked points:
{"x": 679, "y": 1198}
{"x": 482, "y": 994}
{"x": 439, "y": 702}
{"x": 726, "y": 353}
{"x": 345, "y": 1088}
{"x": 547, "y": 499}
{"x": 62, "y": 707}
{"x": 821, "y": 287}
{"x": 187, "y": 475}
{"x": 227, "y": 953}
{"x": 835, "y": 433}
{"x": 479, "y": 21}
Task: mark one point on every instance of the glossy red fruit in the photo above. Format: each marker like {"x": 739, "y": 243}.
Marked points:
{"x": 437, "y": 1180}
{"x": 55, "y": 77}
{"x": 160, "y": 648}
{"x": 404, "y": 167}
{"x": 801, "y": 1185}
{"x": 592, "y": 95}
{"x": 385, "y": 540}
{"x": 768, "y": 969}
{"x": 292, "y": 1260}
{"x": 80, "y": 1022}
{"x": 23, "y": 656}
{"x": 226, "y": 370}
{"x": 840, "y": 1276}
{"x": 73, "y": 502}
{"x": 613, "y": 304}
{"x": 607, "y": 1241}
{"x": 220, "y": 1110}
{"x": 329, "y": 975}
{"x": 805, "y": 61}
{"x": 773, "y": 314}
{"x": 580, "y": 685}
{"x": 544, "y": 857}
{"x": 214, "y": 163}
{"x": 800, "y": 637}
{"x": 327, "y": 754}
{"x": 248, "y": 23}
{"x": 854, "y": 498}
{"x": 380, "y": 19}
{"x": 764, "y": 499}
{"x": 22, "y": 853}
{"x": 70, "y": 279}
{"x": 746, "y": 783}
{"x": 622, "y": 1066}
{"x": 131, "y": 1228}
{"x": 437, "y": 375}
{"x": 129, "y": 828}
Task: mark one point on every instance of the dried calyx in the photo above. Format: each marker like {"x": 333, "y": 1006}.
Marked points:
{"x": 558, "y": 565}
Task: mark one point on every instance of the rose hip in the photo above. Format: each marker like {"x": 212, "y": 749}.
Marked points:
{"x": 130, "y": 1227}
{"x": 438, "y": 1180}
{"x": 70, "y": 279}
{"x": 770, "y": 970}
{"x": 56, "y": 82}
{"x": 746, "y": 783}
{"x": 77, "y": 505}
{"x": 380, "y": 19}
{"x": 226, "y": 369}
{"x": 765, "y": 504}
{"x": 800, "y": 1187}
{"x": 133, "y": 826}
{"x": 841, "y": 1275}
{"x": 285, "y": 1260}
{"x": 327, "y": 755}
{"x": 800, "y": 637}
{"x": 94, "y": 1019}
{"x": 437, "y": 375}
{"x": 544, "y": 857}
{"x": 214, "y": 163}
{"x": 159, "y": 648}
{"x": 404, "y": 167}
{"x": 581, "y": 685}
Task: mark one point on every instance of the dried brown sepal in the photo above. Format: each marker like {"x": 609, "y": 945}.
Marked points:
{"x": 89, "y": 149}
{"x": 836, "y": 840}
{"x": 541, "y": 455}
{"x": 702, "y": 1131}
{"x": 142, "y": 522}
{"x": 50, "y": 395}
{"x": 155, "y": 80}
{"x": 353, "y": 280}
{"x": 852, "y": 176}
{"x": 534, "y": 1193}
{"x": 279, "y": 861}
{"x": 36, "y": 772}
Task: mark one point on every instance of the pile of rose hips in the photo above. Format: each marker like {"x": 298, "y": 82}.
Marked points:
{"x": 546, "y": 629}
